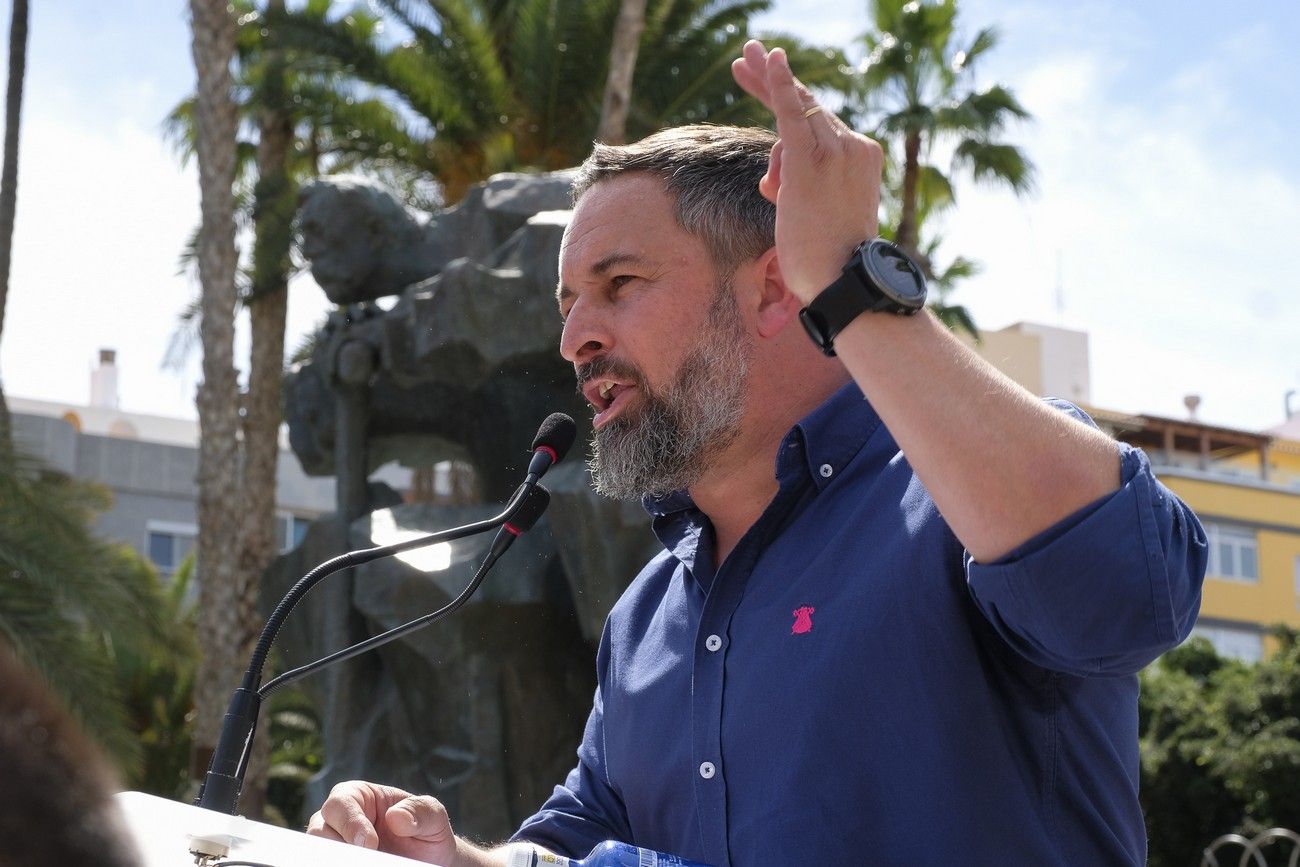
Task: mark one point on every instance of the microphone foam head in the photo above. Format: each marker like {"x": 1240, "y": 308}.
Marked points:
{"x": 557, "y": 433}
{"x": 530, "y": 510}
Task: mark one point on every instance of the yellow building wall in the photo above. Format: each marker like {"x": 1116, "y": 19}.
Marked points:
{"x": 1283, "y": 462}
{"x": 1273, "y": 598}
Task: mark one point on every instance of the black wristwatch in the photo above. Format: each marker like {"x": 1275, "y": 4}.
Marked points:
{"x": 879, "y": 278}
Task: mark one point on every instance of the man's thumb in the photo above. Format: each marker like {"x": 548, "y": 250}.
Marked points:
{"x": 419, "y": 816}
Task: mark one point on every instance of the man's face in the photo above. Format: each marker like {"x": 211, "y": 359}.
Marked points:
{"x": 656, "y": 338}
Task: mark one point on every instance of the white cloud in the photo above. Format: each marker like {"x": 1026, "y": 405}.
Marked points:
{"x": 1176, "y": 258}
{"x": 102, "y": 215}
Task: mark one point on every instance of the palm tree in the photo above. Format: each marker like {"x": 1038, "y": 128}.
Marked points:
{"x": 227, "y": 602}
{"x": 275, "y": 199}
{"x": 9, "y": 174}
{"x": 484, "y": 86}
{"x": 623, "y": 50}
{"x": 285, "y": 101}
{"x": 916, "y": 90}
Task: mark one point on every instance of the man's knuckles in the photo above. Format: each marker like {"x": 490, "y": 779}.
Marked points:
{"x": 318, "y": 827}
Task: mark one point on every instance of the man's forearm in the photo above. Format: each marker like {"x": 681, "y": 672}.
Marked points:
{"x": 1000, "y": 464}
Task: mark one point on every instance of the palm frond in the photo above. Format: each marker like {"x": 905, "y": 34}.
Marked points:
{"x": 934, "y": 192}
{"x": 62, "y": 591}
{"x": 984, "y": 41}
{"x": 992, "y": 163}
{"x": 984, "y": 112}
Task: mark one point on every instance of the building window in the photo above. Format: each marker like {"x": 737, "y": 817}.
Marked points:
{"x": 167, "y": 545}
{"x": 1244, "y": 644}
{"x": 289, "y": 530}
{"x": 1234, "y": 553}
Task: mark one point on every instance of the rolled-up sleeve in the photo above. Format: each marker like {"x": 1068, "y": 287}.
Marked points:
{"x": 1106, "y": 590}
{"x": 585, "y": 810}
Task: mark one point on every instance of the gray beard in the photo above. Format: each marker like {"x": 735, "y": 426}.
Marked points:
{"x": 672, "y": 438}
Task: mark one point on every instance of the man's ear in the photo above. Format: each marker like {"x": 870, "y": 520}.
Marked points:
{"x": 777, "y": 305}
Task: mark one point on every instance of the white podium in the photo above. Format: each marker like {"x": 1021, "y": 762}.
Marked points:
{"x": 163, "y": 830}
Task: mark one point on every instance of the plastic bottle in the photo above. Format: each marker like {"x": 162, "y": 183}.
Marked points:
{"x": 607, "y": 854}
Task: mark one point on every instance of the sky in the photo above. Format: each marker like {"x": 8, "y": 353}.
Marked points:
{"x": 1164, "y": 221}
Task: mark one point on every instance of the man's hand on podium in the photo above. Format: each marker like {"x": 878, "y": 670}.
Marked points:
{"x": 387, "y": 819}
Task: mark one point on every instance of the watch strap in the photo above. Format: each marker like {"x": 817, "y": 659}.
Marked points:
{"x": 856, "y": 292}
{"x": 847, "y": 298}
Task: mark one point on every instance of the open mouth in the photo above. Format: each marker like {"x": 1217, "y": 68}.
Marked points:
{"x": 607, "y": 397}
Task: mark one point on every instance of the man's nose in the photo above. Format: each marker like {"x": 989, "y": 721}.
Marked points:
{"x": 586, "y": 334}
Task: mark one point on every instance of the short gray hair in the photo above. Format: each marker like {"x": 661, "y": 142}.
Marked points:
{"x": 712, "y": 172}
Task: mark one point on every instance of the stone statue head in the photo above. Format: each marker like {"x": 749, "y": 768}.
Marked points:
{"x": 361, "y": 242}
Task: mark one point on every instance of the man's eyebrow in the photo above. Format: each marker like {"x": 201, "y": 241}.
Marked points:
{"x": 601, "y": 266}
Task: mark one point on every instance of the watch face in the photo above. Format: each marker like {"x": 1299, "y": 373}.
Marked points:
{"x": 894, "y": 273}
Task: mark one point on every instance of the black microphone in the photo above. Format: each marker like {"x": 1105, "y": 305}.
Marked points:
{"x": 554, "y": 439}
{"x": 224, "y": 779}
{"x": 535, "y": 502}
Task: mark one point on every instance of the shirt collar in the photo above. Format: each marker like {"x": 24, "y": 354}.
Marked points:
{"x": 832, "y": 434}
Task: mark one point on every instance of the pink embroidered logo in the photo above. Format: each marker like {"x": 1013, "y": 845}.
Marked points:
{"x": 802, "y": 620}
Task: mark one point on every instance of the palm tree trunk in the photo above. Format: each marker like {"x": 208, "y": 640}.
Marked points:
{"x": 9, "y": 175}
{"x": 622, "y": 63}
{"x": 273, "y": 210}
{"x": 906, "y": 236}
{"x": 226, "y": 604}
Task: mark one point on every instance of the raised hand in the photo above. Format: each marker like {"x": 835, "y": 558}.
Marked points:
{"x": 387, "y": 819}
{"x": 824, "y": 178}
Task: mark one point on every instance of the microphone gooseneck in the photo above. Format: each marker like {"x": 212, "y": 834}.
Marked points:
{"x": 534, "y": 504}
{"x": 221, "y": 786}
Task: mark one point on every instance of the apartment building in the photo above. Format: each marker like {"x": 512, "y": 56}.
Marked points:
{"x": 149, "y": 464}
{"x": 1243, "y": 485}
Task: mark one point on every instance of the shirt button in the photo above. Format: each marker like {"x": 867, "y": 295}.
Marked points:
{"x": 713, "y": 642}
{"x": 826, "y": 471}
{"x": 707, "y": 770}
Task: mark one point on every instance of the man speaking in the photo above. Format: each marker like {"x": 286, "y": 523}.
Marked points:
{"x": 901, "y": 603}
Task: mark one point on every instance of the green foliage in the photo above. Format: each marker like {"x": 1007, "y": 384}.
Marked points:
{"x": 71, "y": 603}
{"x": 158, "y": 687}
{"x": 297, "y": 752}
{"x": 917, "y": 80}
{"x": 1220, "y": 747}
{"x": 480, "y": 86}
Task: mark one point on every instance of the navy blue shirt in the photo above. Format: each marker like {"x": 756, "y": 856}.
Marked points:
{"x": 851, "y": 687}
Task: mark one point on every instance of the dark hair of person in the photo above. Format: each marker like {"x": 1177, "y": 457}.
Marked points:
{"x": 712, "y": 172}
{"x": 56, "y": 790}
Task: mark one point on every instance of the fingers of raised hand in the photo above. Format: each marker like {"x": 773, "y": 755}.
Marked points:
{"x": 750, "y": 71}
{"x": 799, "y": 118}
{"x": 787, "y": 103}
